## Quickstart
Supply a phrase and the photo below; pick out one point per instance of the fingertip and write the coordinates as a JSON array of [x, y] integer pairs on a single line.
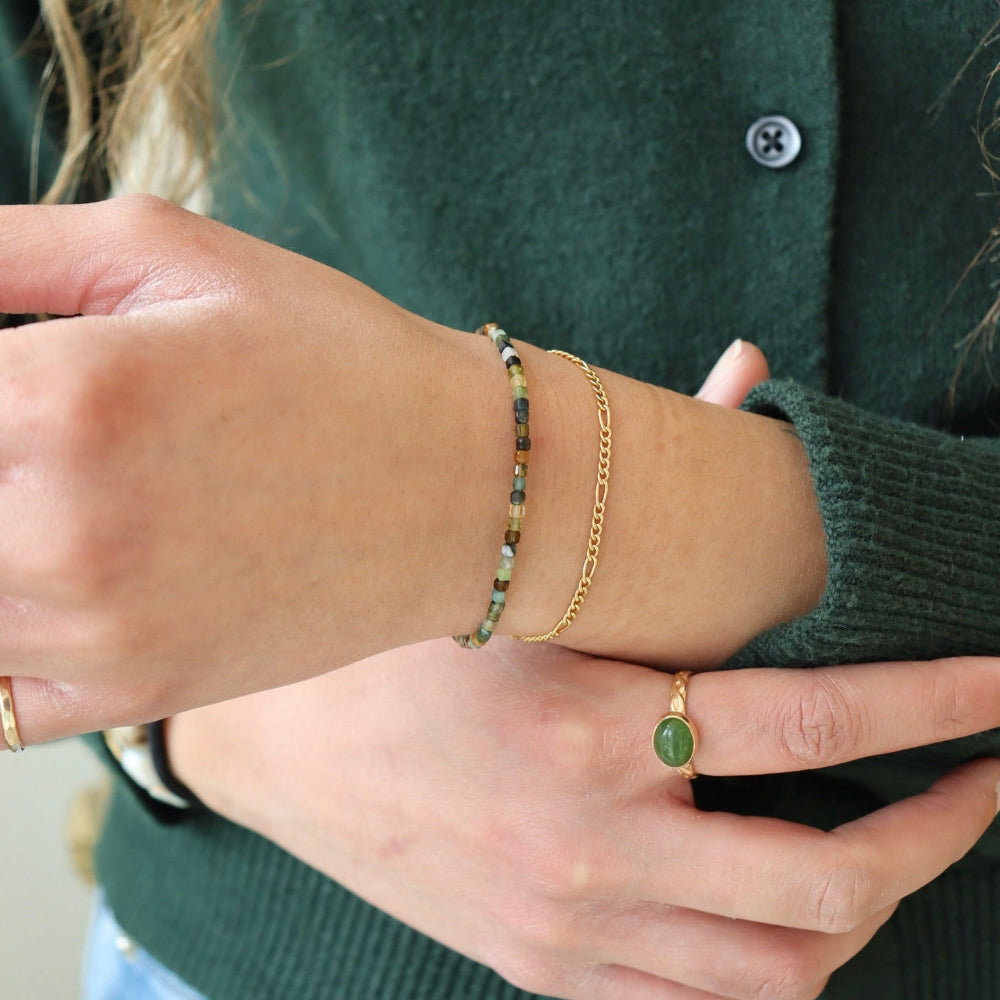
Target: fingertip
[[991, 766], [737, 371], [974, 780], [750, 367]]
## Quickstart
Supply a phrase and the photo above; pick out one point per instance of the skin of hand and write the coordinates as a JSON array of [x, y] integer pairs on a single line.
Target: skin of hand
[[510, 805], [231, 468]]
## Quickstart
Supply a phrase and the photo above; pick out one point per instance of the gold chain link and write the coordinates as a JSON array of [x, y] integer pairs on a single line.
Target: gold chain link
[[600, 500]]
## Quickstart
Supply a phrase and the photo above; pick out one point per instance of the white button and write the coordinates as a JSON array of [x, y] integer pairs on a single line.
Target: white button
[[773, 141], [125, 946]]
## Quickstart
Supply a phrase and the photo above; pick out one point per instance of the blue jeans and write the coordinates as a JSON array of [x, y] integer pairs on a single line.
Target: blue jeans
[[116, 968]]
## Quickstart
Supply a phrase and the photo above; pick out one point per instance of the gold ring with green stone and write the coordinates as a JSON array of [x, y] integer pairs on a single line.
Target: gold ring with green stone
[[675, 738]]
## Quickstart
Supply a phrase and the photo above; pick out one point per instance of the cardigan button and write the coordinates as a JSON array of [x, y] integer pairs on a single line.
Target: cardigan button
[[773, 141], [125, 946]]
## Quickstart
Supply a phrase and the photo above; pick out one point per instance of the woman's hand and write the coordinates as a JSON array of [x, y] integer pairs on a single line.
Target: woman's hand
[[186, 497], [233, 468], [510, 805]]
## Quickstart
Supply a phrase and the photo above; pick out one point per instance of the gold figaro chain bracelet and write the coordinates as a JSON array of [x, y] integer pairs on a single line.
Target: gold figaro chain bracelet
[[600, 499]]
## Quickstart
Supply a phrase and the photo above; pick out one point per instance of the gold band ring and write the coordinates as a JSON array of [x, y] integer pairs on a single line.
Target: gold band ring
[[7, 717], [675, 738]]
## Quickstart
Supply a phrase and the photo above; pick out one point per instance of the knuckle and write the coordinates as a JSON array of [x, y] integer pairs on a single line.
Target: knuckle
[[136, 214], [109, 637], [550, 931], [566, 738], [822, 722], [531, 846], [146, 224], [559, 867], [79, 563], [583, 744], [531, 972], [79, 433], [955, 700], [73, 405], [139, 223], [84, 563], [66, 560], [842, 898], [543, 905], [174, 253]]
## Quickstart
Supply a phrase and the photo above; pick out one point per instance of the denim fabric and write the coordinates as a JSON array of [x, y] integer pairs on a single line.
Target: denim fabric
[[116, 968]]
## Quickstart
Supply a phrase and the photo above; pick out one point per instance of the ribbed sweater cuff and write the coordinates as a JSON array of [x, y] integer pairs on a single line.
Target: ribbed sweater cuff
[[912, 520]]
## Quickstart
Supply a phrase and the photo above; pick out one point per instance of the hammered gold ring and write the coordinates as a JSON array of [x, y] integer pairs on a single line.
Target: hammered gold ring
[[675, 738], [7, 718]]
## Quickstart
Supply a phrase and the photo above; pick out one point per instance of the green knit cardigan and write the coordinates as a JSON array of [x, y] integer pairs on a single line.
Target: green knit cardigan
[[578, 170]]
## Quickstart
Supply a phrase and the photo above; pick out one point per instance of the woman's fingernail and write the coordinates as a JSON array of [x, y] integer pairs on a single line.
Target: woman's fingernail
[[733, 351], [720, 368]]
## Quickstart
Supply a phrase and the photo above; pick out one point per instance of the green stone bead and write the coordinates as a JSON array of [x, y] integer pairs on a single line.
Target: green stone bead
[[520, 391], [673, 741], [503, 574], [520, 482]]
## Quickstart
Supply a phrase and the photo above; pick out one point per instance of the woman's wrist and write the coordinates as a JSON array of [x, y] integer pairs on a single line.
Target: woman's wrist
[[338, 483], [712, 533]]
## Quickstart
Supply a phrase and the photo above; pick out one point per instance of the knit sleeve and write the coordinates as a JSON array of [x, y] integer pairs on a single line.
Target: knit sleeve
[[912, 521]]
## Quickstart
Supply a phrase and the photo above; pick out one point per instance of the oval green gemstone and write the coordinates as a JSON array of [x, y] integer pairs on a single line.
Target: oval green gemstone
[[673, 741]]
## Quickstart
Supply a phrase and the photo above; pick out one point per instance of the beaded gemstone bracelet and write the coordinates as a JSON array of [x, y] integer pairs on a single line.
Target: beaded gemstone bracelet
[[515, 514]]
